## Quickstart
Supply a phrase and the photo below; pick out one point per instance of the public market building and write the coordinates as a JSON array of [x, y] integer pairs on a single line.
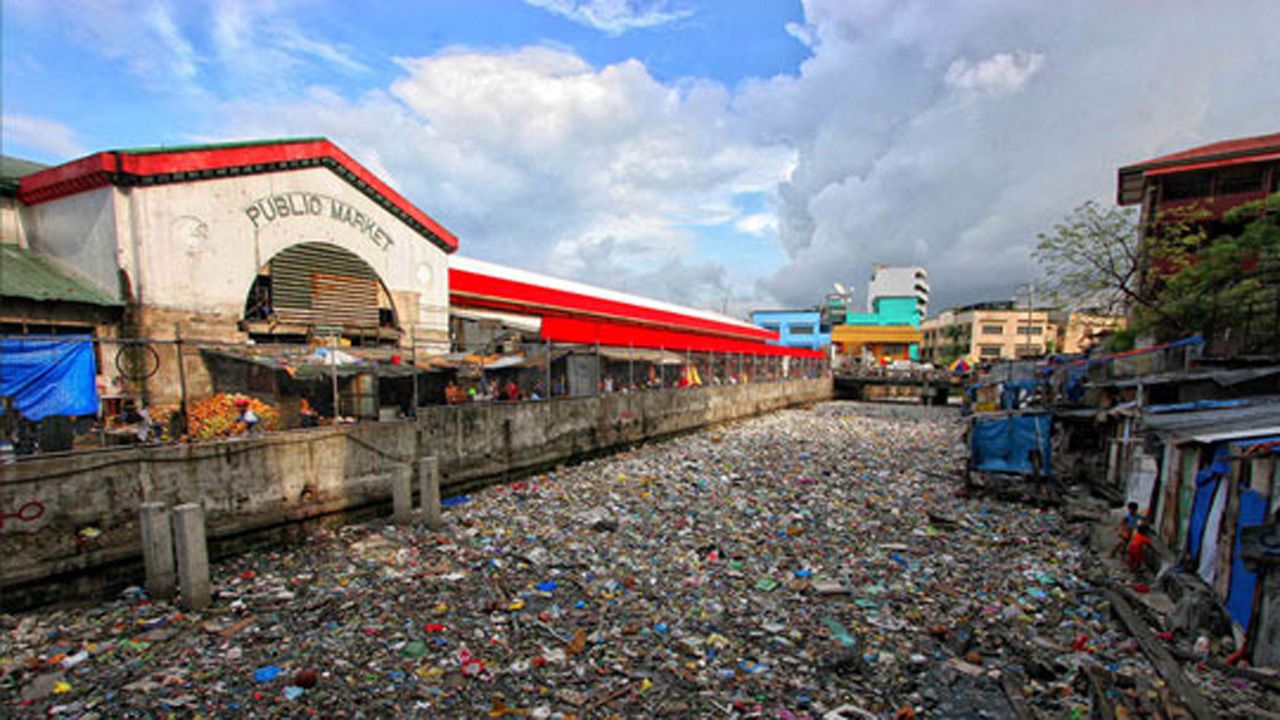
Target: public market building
[[274, 249]]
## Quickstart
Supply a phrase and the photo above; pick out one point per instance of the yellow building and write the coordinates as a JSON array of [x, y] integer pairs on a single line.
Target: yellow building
[[994, 331], [880, 341], [1079, 331]]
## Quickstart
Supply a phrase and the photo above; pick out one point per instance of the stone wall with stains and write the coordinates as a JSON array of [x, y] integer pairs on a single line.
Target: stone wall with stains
[[68, 524]]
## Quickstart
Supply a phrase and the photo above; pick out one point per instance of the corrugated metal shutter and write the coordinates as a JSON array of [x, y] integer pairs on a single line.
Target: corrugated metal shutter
[[318, 284]]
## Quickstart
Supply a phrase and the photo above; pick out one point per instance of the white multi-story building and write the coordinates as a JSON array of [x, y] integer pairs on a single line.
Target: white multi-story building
[[899, 281]]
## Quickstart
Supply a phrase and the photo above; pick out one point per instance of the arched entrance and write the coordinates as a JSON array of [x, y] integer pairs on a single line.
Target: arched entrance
[[315, 288]]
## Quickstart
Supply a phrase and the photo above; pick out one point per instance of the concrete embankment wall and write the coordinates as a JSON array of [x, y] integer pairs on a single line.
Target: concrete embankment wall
[[68, 524]]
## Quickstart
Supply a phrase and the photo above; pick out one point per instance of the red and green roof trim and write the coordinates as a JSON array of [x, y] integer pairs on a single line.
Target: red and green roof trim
[[1260, 148], [141, 167]]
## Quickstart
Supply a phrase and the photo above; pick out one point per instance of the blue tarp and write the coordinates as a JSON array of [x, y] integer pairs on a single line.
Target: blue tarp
[[1074, 386], [49, 377], [1198, 405], [1004, 444], [1016, 392], [1259, 445], [1253, 511], [1206, 488]]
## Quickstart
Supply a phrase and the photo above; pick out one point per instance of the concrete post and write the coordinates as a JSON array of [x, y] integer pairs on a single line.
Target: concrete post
[[401, 496], [429, 487], [193, 555], [157, 550]]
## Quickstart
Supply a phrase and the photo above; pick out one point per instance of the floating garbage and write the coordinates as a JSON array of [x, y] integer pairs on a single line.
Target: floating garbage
[[804, 564]]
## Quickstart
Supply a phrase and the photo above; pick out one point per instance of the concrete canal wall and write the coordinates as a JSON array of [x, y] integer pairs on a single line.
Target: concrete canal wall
[[69, 523]]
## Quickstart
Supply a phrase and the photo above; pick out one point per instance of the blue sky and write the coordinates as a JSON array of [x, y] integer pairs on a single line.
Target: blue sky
[[719, 153]]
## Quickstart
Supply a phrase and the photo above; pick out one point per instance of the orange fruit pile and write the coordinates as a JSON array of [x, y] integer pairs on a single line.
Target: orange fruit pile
[[216, 416]]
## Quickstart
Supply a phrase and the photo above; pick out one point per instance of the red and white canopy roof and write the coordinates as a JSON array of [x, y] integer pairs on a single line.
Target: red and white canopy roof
[[192, 163], [580, 313]]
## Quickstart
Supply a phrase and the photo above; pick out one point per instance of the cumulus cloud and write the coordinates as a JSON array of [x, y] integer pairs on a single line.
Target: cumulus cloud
[[1001, 74], [50, 136], [916, 132], [535, 157], [948, 135], [613, 17]]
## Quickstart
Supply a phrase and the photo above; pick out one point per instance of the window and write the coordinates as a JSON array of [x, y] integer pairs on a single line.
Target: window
[[769, 326], [989, 351], [1240, 179], [992, 329], [802, 330], [1033, 330], [1184, 186]]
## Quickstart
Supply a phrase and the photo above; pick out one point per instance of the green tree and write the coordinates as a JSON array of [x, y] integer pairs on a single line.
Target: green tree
[[1175, 281], [1094, 258], [1231, 284]]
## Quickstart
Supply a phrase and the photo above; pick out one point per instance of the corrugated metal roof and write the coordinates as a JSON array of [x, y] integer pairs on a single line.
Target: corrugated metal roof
[[12, 168], [1225, 148], [1260, 418], [1224, 378], [196, 147], [26, 274]]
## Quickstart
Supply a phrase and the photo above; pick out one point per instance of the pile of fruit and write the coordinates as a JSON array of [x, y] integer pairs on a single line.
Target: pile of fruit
[[217, 416]]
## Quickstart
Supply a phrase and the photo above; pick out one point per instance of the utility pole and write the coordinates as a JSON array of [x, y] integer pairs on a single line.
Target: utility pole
[[1031, 307]]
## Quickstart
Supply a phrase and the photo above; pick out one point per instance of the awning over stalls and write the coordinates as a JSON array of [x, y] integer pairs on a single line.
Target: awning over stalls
[[317, 364], [656, 357], [458, 361], [523, 323]]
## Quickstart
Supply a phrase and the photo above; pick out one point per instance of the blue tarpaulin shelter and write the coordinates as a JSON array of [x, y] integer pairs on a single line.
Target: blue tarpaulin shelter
[[1004, 443], [1206, 488], [1253, 511], [49, 376]]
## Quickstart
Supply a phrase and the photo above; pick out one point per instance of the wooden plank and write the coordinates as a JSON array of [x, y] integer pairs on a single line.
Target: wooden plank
[[1098, 694], [1013, 691], [1227, 534], [1164, 663], [1262, 678]]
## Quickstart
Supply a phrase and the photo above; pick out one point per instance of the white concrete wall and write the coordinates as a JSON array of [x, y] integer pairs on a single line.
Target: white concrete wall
[[896, 281], [78, 233], [200, 249]]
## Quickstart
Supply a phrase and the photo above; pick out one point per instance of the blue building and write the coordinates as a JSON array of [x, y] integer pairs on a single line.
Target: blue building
[[795, 328]]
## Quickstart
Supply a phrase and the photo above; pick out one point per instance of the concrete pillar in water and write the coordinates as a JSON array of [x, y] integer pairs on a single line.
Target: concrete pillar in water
[[193, 555], [157, 549], [429, 487], [401, 496]]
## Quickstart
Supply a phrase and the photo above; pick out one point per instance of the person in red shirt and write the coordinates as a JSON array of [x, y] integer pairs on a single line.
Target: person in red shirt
[[1131, 520], [1142, 551]]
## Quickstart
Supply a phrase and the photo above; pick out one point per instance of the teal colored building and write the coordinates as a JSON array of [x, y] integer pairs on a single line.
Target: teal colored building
[[891, 311], [888, 311]]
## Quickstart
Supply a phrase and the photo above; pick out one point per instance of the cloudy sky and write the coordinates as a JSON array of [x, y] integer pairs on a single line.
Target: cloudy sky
[[722, 153]]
